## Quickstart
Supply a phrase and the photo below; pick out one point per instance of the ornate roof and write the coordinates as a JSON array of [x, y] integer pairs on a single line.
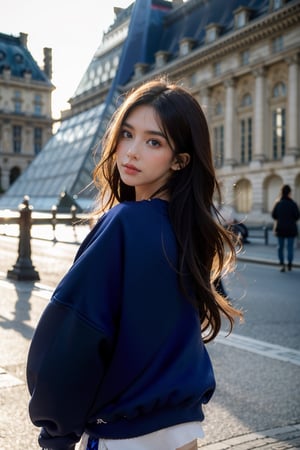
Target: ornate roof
[[14, 56]]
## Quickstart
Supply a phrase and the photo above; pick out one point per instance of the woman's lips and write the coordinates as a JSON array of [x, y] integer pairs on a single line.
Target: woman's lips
[[130, 169]]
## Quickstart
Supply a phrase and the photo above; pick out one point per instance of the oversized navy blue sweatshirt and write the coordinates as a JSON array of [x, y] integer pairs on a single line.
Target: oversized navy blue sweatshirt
[[118, 351]]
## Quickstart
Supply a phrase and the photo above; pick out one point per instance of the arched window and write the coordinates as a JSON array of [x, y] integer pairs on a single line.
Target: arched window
[[271, 186], [279, 90], [243, 196], [18, 58], [14, 174]]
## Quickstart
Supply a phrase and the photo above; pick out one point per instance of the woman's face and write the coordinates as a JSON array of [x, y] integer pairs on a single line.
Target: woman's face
[[145, 159]]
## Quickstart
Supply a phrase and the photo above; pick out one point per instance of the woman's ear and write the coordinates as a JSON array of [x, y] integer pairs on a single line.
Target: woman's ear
[[181, 161]]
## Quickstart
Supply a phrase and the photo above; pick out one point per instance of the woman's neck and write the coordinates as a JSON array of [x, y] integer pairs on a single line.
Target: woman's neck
[[161, 193]]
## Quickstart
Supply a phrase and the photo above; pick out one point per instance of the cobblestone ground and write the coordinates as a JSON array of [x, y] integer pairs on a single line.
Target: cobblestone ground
[[275, 439], [20, 307], [16, 430]]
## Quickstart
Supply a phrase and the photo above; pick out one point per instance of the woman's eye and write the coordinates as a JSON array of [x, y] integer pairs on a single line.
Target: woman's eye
[[125, 134], [154, 143]]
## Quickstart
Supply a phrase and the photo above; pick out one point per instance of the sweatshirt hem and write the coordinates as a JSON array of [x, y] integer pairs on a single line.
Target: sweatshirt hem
[[126, 428]]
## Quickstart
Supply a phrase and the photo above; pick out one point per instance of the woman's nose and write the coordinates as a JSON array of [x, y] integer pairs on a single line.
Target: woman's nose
[[132, 151]]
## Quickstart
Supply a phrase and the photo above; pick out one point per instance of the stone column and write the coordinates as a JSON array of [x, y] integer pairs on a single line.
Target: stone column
[[7, 138], [229, 131], [205, 102], [293, 144], [259, 115], [228, 194], [257, 196]]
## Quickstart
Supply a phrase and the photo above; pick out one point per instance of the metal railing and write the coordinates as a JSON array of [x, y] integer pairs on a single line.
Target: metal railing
[[260, 232], [53, 219], [25, 218]]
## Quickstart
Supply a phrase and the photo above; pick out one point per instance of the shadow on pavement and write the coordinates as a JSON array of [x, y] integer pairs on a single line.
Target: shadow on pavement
[[21, 313]]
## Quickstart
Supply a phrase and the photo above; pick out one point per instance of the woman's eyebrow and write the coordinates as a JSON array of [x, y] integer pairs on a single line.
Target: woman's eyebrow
[[155, 132]]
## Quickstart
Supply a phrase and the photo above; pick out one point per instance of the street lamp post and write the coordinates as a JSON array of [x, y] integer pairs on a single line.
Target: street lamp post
[[54, 211], [23, 270], [73, 220]]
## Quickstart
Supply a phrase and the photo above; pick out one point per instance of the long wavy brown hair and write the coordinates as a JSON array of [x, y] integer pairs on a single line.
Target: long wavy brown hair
[[206, 249]]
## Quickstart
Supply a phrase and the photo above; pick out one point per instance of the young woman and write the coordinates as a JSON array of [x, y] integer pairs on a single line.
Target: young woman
[[118, 357]]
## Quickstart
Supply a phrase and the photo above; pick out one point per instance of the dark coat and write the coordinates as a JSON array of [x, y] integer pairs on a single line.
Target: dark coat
[[286, 214]]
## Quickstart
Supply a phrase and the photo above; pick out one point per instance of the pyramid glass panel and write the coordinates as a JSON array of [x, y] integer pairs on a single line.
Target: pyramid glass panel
[[56, 168]]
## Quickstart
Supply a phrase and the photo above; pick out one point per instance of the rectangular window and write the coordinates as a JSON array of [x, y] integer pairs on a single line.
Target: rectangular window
[[278, 133], [37, 140], [218, 133], [37, 110], [211, 35], [277, 44], [245, 56], [249, 139], [246, 140], [274, 138], [18, 102], [17, 138], [240, 19], [217, 69], [184, 48], [277, 4], [243, 147], [37, 105], [283, 132]]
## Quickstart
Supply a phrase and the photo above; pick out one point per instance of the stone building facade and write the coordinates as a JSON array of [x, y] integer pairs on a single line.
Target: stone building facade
[[248, 83], [25, 107], [239, 58]]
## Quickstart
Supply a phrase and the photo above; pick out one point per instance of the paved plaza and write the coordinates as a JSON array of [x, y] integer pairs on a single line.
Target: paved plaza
[[21, 304]]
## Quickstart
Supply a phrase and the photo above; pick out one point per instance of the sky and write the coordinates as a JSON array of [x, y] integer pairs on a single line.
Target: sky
[[73, 29]]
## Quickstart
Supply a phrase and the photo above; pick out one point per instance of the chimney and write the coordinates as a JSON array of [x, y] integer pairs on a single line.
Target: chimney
[[23, 39], [48, 62]]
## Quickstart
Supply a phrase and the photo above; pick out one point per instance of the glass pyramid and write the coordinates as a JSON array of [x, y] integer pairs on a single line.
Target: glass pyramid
[[66, 163]]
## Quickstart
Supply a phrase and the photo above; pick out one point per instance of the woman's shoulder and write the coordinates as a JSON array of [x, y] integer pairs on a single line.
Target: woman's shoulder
[[126, 219], [136, 209]]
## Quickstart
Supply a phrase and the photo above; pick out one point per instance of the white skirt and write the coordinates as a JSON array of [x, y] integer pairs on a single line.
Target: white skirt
[[170, 438]]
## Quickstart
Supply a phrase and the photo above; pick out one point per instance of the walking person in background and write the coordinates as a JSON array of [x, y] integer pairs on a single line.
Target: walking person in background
[[285, 213], [118, 359]]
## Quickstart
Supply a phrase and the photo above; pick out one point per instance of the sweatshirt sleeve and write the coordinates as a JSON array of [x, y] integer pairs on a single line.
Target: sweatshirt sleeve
[[74, 339]]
